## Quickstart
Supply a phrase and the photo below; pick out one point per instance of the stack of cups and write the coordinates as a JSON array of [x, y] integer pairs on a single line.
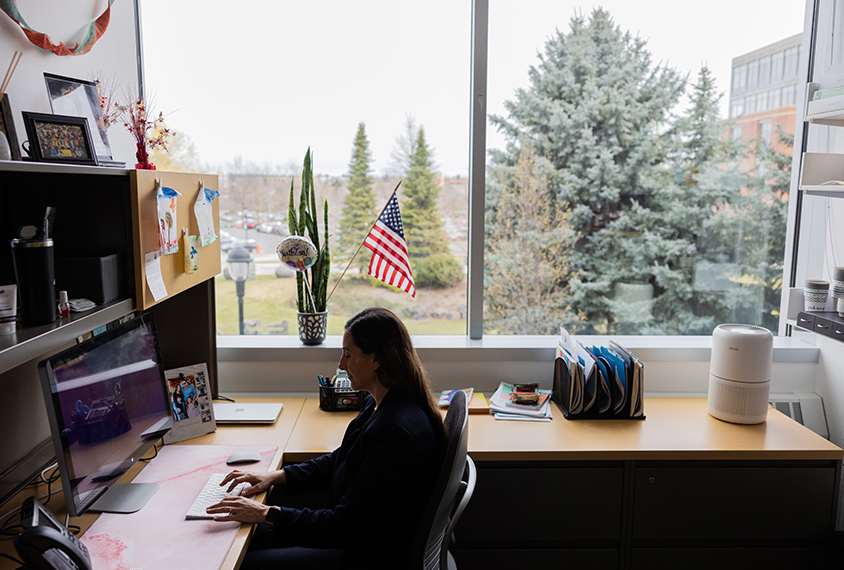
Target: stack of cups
[[838, 288], [815, 294]]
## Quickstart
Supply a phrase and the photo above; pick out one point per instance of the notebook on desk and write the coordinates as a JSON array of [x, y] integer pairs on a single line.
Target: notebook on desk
[[251, 413]]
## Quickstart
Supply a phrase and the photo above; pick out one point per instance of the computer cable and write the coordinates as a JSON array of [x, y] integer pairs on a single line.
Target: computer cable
[[155, 447], [12, 558]]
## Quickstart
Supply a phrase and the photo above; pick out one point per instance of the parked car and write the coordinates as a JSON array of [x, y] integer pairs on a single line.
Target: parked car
[[249, 244], [275, 227]]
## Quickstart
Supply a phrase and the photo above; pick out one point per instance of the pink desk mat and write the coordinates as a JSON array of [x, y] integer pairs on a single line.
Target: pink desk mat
[[158, 536]]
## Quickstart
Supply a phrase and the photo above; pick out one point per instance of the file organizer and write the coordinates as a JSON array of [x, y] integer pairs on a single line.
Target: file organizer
[[610, 386]]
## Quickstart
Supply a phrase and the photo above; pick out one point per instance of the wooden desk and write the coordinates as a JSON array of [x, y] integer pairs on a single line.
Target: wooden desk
[[317, 432], [679, 489], [675, 429]]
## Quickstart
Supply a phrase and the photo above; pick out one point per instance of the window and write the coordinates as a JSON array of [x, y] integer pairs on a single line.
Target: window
[[551, 224], [790, 63], [739, 79], [594, 263], [787, 96], [765, 131], [326, 75], [764, 70], [761, 101], [752, 75], [773, 98], [750, 104], [776, 67]]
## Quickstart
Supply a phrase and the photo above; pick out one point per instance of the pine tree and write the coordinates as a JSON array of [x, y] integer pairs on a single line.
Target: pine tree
[[526, 270], [427, 243], [599, 111], [689, 262], [359, 204], [423, 229]]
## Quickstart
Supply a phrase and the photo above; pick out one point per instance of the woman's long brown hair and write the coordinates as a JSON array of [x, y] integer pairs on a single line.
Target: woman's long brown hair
[[379, 331]]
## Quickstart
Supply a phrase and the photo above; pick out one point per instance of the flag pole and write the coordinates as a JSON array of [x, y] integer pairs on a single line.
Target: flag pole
[[378, 217]]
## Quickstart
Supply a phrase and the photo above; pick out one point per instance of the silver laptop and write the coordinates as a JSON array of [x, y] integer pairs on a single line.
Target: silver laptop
[[251, 413]]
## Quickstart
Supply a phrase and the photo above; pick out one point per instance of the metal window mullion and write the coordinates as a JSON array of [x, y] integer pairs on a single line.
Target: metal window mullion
[[477, 167]]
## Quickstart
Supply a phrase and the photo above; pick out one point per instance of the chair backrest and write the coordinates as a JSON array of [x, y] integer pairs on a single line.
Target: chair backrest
[[427, 548]]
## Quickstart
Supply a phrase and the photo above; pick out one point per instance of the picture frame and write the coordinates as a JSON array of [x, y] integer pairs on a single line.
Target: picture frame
[[7, 125], [189, 391], [80, 98], [59, 138]]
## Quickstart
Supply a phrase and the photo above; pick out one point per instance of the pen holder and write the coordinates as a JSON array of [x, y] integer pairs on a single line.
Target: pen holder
[[333, 399]]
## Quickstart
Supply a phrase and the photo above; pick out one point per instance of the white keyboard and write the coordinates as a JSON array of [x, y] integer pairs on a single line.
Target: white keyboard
[[211, 494]]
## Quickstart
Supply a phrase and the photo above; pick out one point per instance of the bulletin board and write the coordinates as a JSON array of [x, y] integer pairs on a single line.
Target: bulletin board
[[146, 232]]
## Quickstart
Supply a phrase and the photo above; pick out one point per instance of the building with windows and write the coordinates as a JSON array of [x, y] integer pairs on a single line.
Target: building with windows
[[763, 93]]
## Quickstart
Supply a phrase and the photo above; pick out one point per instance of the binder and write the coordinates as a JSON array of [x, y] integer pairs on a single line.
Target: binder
[[598, 382]]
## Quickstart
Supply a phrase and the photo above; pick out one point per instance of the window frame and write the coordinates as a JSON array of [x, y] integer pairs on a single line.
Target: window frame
[[477, 187]]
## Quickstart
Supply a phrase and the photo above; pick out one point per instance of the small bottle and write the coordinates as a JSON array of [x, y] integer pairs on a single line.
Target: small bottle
[[64, 306]]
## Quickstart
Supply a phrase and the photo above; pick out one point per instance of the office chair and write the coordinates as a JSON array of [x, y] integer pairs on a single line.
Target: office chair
[[452, 492]]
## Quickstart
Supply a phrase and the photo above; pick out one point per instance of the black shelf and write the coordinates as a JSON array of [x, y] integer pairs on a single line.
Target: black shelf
[[31, 342], [826, 323]]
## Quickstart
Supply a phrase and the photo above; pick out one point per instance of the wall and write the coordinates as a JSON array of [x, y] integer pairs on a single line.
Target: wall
[[678, 365], [828, 383], [113, 58]]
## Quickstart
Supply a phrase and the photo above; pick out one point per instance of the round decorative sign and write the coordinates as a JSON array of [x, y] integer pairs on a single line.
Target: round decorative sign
[[297, 252]]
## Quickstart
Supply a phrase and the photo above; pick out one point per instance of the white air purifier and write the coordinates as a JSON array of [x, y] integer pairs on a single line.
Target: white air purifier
[[740, 373]]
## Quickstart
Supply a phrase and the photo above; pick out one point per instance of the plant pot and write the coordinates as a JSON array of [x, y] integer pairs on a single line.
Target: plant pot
[[312, 327]]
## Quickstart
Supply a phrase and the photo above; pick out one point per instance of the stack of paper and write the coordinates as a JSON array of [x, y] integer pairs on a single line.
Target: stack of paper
[[597, 381], [503, 409]]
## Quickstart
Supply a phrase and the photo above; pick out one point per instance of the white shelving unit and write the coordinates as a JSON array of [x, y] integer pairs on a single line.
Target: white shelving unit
[[819, 168]]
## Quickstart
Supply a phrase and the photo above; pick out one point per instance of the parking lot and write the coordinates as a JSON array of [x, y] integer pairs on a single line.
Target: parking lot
[[261, 245]]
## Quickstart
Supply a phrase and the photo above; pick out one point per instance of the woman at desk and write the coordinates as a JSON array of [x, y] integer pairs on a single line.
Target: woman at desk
[[380, 478]]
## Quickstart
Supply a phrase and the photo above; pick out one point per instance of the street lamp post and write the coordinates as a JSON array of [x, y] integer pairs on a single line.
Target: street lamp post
[[240, 262]]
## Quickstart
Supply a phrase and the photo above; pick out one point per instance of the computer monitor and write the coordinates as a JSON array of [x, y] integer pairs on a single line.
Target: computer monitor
[[107, 404]]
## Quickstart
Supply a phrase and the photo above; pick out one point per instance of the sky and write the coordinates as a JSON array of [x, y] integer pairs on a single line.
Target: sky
[[268, 80]]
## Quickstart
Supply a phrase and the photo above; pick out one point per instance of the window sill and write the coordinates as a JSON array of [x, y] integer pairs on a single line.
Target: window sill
[[443, 348]]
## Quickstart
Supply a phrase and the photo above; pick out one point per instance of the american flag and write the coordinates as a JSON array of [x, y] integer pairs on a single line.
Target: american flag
[[389, 250]]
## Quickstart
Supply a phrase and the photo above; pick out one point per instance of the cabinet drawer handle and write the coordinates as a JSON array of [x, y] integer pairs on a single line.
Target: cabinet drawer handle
[[838, 331], [804, 320], [822, 326]]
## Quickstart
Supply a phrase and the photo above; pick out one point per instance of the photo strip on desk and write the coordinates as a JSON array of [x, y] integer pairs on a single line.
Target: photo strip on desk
[[597, 382]]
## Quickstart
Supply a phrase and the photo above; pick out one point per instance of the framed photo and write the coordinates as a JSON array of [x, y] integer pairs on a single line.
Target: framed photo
[[80, 98], [190, 398], [7, 125], [58, 138]]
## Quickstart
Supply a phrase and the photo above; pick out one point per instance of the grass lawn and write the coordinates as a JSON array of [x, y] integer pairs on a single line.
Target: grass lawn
[[269, 301]]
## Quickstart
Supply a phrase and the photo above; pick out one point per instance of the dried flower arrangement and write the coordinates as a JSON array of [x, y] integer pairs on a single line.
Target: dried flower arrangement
[[148, 134]]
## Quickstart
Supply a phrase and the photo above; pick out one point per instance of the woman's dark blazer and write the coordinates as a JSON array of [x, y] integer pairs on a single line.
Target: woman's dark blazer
[[381, 479]]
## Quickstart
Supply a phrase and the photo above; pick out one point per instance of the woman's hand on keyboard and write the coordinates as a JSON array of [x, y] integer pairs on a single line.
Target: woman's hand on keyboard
[[239, 509], [259, 482]]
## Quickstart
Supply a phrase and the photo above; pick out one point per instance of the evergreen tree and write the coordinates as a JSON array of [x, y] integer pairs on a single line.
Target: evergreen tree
[[423, 229], [599, 111], [358, 205], [526, 268], [427, 242], [689, 262], [758, 230]]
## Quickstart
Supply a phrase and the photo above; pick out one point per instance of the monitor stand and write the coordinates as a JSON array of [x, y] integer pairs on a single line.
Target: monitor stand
[[125, 498]]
